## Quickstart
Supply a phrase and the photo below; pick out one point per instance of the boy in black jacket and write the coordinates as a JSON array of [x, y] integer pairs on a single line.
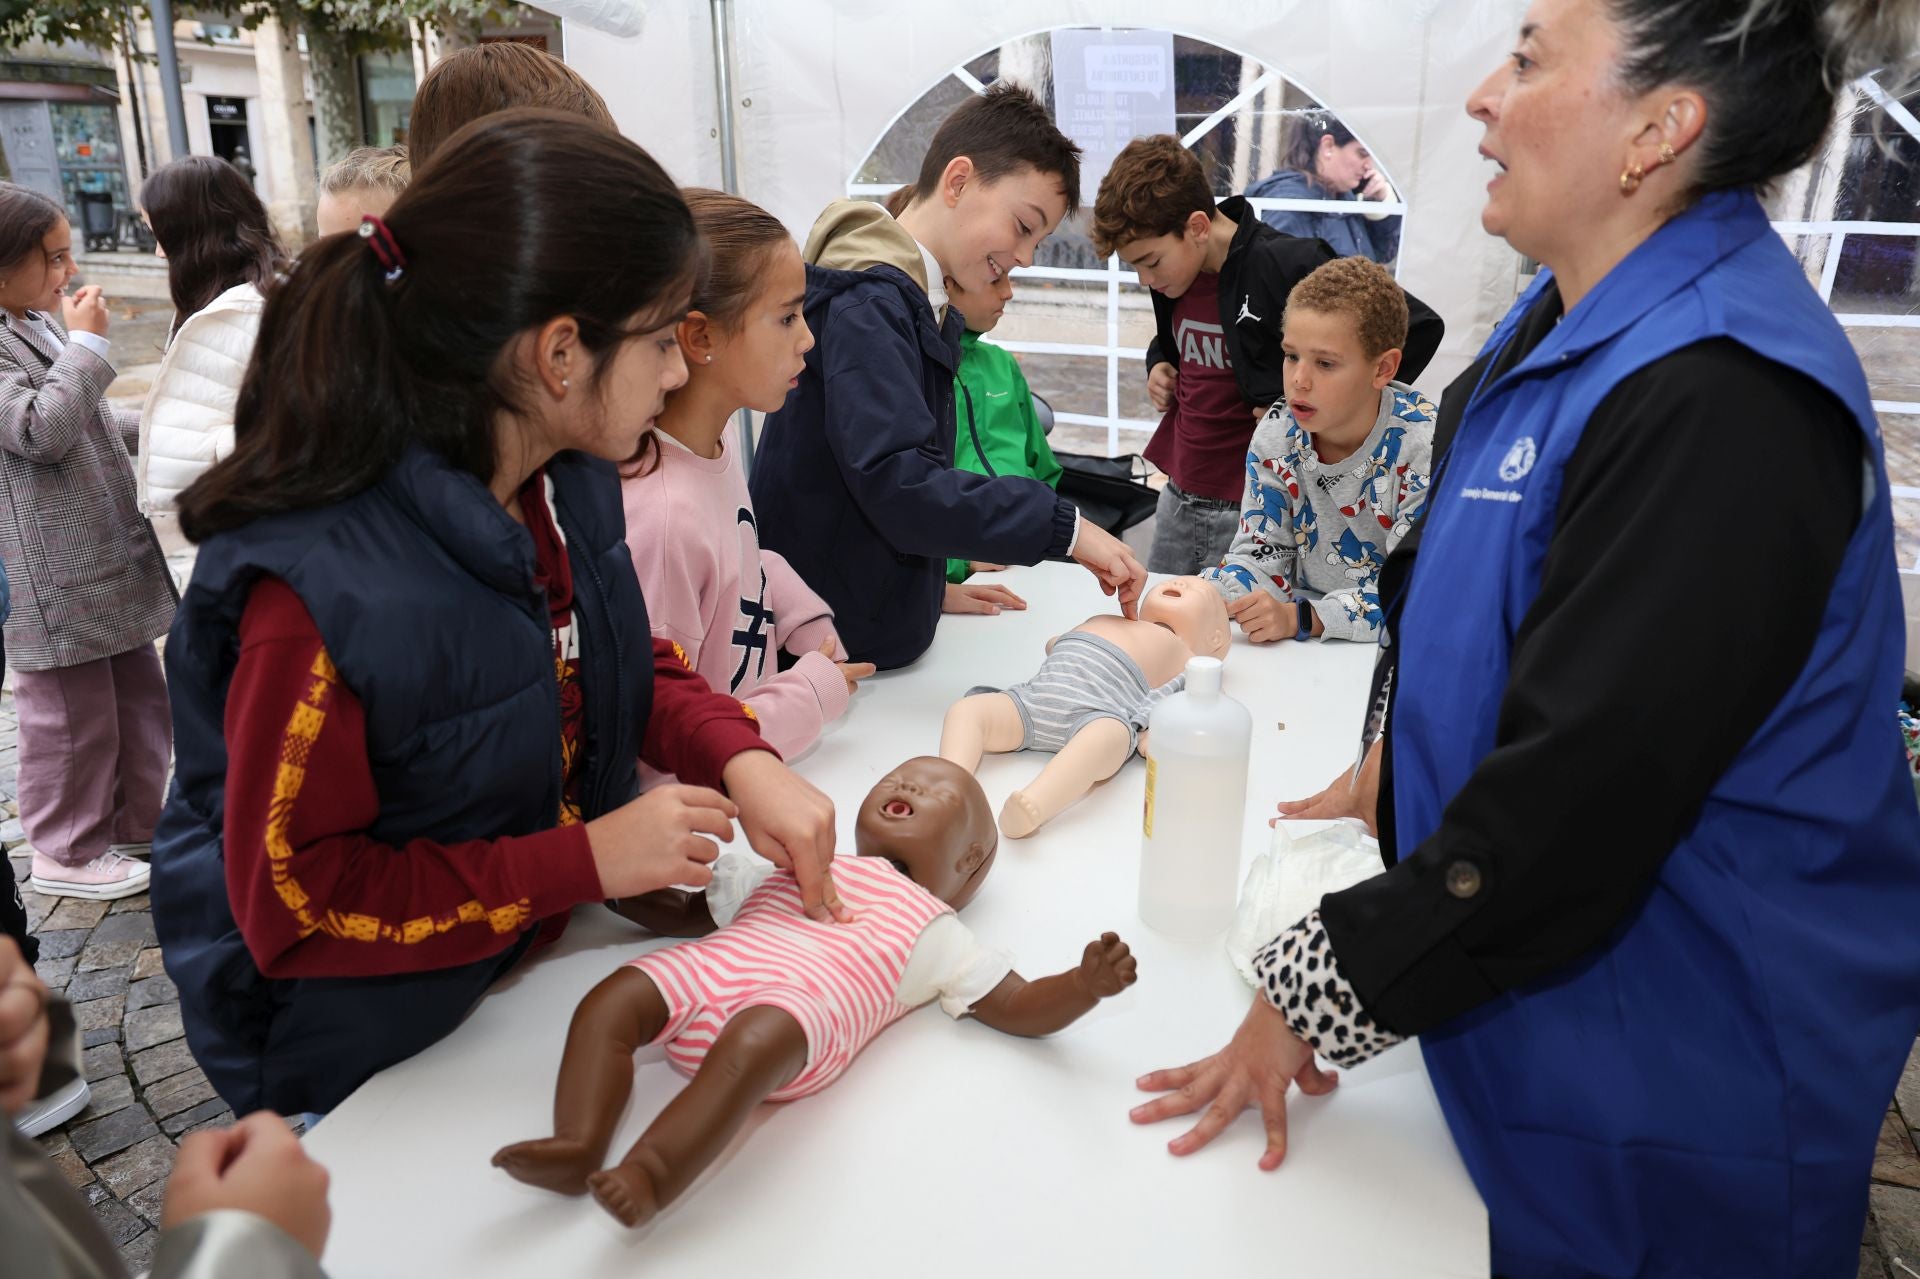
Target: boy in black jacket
[[854, 482], [1220, 279]]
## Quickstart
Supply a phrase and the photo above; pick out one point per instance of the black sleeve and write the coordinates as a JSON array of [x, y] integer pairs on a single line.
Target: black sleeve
[[1425, 328], [1702, 523]]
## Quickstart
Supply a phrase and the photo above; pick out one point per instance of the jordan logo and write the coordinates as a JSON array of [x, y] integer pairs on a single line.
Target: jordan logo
[[1246, 312]]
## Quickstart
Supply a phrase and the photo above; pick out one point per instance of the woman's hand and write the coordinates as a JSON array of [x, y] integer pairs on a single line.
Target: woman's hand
[[23, 1030], [790, 823], [256, 1166], [1253, 1070], [651, 842], [1111, 560], [969, 597], [1374, 187], [1345, 796], [85, 311], [852, 672]]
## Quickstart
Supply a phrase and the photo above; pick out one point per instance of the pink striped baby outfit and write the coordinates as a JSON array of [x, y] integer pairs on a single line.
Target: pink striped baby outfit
[[839, 981]]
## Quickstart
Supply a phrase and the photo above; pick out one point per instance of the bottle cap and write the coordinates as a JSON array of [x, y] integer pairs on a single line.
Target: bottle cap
[[1203, 677]]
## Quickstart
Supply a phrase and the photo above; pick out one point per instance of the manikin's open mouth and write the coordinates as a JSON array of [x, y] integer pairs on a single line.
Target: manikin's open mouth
[[897, 808]]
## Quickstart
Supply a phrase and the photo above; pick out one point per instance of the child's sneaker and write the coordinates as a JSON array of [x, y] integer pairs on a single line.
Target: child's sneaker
[[106, 878], [54, 1109], [141, 850]]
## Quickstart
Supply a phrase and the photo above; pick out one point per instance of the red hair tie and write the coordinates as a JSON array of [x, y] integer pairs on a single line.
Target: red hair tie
[[379, 237]]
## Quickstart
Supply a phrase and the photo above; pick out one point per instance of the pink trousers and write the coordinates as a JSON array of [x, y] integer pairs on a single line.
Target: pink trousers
[[94, 744]]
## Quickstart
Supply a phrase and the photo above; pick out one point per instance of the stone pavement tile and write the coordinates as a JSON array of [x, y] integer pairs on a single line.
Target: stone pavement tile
[[1894, 1161], [155, 1064], [74, 912], [150, 1201], [120, 1222], [148, 965], [38, 907], [97, 985], [138, 1168], [104, 1035], [147, 1027], [62, 944], [102, 1062], [95, 1014], [130, 905], [138, 1252], [55, 972], [105, 1096], [73, 1167], [1871, 1267], [218, 1121], [1906, 1093], [183, 1091], [152, 991], [191, 1120], [109, 1136], [1896, 1213], [10, 832], [117, 942]]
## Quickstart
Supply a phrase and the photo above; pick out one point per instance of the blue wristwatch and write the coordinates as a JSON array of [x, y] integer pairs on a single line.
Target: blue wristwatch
[[1306, 619]]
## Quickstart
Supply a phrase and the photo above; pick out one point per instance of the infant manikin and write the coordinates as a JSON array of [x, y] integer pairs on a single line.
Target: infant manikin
[[1089, 702], [774, 1005]]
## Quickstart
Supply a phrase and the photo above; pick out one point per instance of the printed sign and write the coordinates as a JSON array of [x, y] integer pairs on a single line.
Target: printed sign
[[1110, 87]]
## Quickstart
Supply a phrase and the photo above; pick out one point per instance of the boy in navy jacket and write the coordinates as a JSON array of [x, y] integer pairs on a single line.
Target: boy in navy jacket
[[854, 482]]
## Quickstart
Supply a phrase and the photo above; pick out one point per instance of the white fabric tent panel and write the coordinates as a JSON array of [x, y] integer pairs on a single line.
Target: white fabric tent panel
[[817, 84]]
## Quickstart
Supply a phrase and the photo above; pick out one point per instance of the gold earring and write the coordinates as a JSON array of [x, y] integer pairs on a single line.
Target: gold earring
[[1630, 178]]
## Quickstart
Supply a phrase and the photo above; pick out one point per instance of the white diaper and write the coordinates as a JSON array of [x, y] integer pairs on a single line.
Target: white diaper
[[1291, 877]]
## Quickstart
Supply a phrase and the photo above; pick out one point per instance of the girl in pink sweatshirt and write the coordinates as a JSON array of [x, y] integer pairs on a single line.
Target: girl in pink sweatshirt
[[710, 588]]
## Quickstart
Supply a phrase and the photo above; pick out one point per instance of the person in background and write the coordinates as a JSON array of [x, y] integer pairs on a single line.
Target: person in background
[[711, 590], [90, 590], [484, 78], [241, 1200], [364, 183], [1220, 280], [1324, 161], [1651, 889], [413, 673], [222, 258], [854, 481]]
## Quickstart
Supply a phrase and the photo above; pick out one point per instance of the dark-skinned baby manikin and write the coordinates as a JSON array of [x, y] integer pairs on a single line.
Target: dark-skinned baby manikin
[[768, 1007]]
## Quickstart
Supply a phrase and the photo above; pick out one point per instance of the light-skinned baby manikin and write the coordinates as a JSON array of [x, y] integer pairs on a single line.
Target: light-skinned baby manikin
[[1090, 699]]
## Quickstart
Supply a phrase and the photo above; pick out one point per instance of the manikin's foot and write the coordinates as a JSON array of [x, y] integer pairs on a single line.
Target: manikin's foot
[[1019, 816], [551, 1163], [631, 1189]]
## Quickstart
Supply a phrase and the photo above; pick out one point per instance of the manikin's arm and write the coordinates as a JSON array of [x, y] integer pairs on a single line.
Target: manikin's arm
[[1034, 1008], [670, 912]]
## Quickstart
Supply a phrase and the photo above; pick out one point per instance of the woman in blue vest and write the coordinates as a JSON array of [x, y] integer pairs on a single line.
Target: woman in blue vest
[[1653, 897], [413, 671]]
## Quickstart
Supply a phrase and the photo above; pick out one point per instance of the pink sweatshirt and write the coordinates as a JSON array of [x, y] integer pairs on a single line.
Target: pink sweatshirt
[[712, 590]]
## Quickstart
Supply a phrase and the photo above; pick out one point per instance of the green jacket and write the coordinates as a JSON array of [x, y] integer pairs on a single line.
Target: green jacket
[[994, 406]]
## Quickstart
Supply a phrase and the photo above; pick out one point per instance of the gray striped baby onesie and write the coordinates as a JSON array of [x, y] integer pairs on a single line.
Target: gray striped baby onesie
[[1085, 678]]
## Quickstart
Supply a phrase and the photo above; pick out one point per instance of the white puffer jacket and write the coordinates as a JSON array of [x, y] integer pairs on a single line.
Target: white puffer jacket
[[187, 424]]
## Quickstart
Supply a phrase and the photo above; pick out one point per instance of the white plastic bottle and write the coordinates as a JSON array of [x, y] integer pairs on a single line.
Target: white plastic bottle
[[1196, 802]]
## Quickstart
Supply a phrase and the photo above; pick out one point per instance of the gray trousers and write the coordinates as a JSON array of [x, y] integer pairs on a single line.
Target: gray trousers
[[1190, 533]]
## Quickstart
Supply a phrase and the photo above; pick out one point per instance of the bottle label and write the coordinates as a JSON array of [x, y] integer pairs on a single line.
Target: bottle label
[[1147, 825]]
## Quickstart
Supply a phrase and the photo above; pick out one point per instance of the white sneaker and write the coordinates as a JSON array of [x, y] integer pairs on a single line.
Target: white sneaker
[[106, 878], [51, 1111], [142, 851]]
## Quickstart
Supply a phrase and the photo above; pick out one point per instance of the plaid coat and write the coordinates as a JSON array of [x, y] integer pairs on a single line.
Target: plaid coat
[[86, 574]]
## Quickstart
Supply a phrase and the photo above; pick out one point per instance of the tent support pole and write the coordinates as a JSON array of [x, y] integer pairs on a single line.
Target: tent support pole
[[722, 16]]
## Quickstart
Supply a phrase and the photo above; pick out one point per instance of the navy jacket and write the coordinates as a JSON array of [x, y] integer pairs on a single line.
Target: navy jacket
[[422, 589], [854, 480], [1350, 235], [1261, 269]]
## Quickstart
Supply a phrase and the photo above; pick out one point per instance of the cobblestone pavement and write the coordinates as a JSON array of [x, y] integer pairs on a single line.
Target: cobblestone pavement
[[148, 1094]]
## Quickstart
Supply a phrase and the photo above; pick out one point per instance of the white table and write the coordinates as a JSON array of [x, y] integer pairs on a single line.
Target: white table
[[947, 1149]]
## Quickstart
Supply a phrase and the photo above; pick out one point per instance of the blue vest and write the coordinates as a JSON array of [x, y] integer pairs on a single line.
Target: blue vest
[[422, 589], [1701, 1095]]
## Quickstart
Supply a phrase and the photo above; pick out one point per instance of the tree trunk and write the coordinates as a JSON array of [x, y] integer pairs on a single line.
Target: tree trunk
[[337, 121]]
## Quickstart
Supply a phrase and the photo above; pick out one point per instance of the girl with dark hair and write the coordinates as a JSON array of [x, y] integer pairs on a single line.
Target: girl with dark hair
[[1324, 161], [222, 257], [90, 592], [413, 670], [1653, 857], [731, 606]]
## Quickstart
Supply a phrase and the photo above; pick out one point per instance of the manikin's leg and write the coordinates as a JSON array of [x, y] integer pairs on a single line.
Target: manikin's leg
[[760, 1051], [1090, 756], [985, 722], [618, 1017]]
